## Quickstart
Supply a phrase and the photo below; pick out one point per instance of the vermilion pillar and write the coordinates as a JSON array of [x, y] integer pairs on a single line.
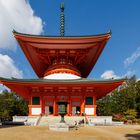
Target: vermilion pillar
[[70, 106], [42, 104], [29, 106], [83, 105], [54, 107], [94, 105]]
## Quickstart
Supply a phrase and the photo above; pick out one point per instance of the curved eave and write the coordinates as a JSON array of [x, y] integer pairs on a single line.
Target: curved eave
[[46, 82], [36, 38], [102, 87], [53, 81]]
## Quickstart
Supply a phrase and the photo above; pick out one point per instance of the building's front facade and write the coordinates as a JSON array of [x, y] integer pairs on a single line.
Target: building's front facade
[[62, 65]]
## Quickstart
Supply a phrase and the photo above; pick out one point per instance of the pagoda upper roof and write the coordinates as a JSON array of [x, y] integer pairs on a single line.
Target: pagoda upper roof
[[40, 50], [58, 37], [99, 87]]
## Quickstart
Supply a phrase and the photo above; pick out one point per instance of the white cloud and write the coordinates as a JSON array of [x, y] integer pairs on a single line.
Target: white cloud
[[18, 15], [129, 73], [3, 88], [109, 74], [8, 68], [132, 58]]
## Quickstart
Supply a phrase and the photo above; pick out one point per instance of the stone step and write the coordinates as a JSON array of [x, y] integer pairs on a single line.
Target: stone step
[[47, 120]]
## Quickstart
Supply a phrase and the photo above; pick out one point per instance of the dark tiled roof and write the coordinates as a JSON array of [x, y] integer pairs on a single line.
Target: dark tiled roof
[[81, 80], [44, 36]]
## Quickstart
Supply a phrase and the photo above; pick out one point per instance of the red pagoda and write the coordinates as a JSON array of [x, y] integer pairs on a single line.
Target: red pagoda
[[62, 64]]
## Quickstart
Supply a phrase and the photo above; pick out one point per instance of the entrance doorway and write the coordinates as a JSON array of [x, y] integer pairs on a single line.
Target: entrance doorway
[[76, 110], [49, 110]]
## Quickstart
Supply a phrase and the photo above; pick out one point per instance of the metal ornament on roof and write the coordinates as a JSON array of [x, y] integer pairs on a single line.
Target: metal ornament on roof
[[62, 20]]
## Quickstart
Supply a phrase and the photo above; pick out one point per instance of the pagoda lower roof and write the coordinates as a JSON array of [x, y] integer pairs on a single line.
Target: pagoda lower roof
[[99, 88], [41, 50]]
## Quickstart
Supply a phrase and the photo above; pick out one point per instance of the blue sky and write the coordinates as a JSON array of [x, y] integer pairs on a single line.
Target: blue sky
[[121, 56]]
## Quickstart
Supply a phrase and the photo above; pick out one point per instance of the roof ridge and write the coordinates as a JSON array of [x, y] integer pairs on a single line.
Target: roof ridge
[[32, 35]]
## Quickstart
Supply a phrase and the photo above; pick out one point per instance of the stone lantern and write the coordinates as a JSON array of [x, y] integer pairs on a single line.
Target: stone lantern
[[62, 109]]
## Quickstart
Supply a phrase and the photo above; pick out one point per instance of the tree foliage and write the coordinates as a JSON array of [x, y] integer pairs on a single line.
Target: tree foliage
[[121, 101], [130, 114], [11, 104]]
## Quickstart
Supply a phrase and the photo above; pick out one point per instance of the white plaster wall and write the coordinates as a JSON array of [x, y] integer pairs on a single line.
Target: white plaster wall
[[62, 76], [20, 118], [100, 119], [89, 111], [36, 111]]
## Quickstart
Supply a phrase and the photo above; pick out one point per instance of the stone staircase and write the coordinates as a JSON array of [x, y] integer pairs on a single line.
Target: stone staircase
[[70, 120], [47, 120], [32, 120]]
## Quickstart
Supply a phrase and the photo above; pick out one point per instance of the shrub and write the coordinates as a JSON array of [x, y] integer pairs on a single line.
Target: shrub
[[130, 114]]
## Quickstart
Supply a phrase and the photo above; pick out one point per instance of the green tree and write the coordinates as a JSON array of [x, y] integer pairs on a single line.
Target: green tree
[[138, 97], [11, 104], [122, 99]]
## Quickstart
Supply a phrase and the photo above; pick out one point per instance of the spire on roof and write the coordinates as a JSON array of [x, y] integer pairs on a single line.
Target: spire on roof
[[62, 20]]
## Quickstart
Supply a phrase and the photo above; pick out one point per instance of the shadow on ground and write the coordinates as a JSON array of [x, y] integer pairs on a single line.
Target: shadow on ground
[[133, 136], [11, 124], [7, 126]]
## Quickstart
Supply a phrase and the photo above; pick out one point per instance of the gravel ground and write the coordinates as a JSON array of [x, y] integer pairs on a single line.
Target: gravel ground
[[126, 132]]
